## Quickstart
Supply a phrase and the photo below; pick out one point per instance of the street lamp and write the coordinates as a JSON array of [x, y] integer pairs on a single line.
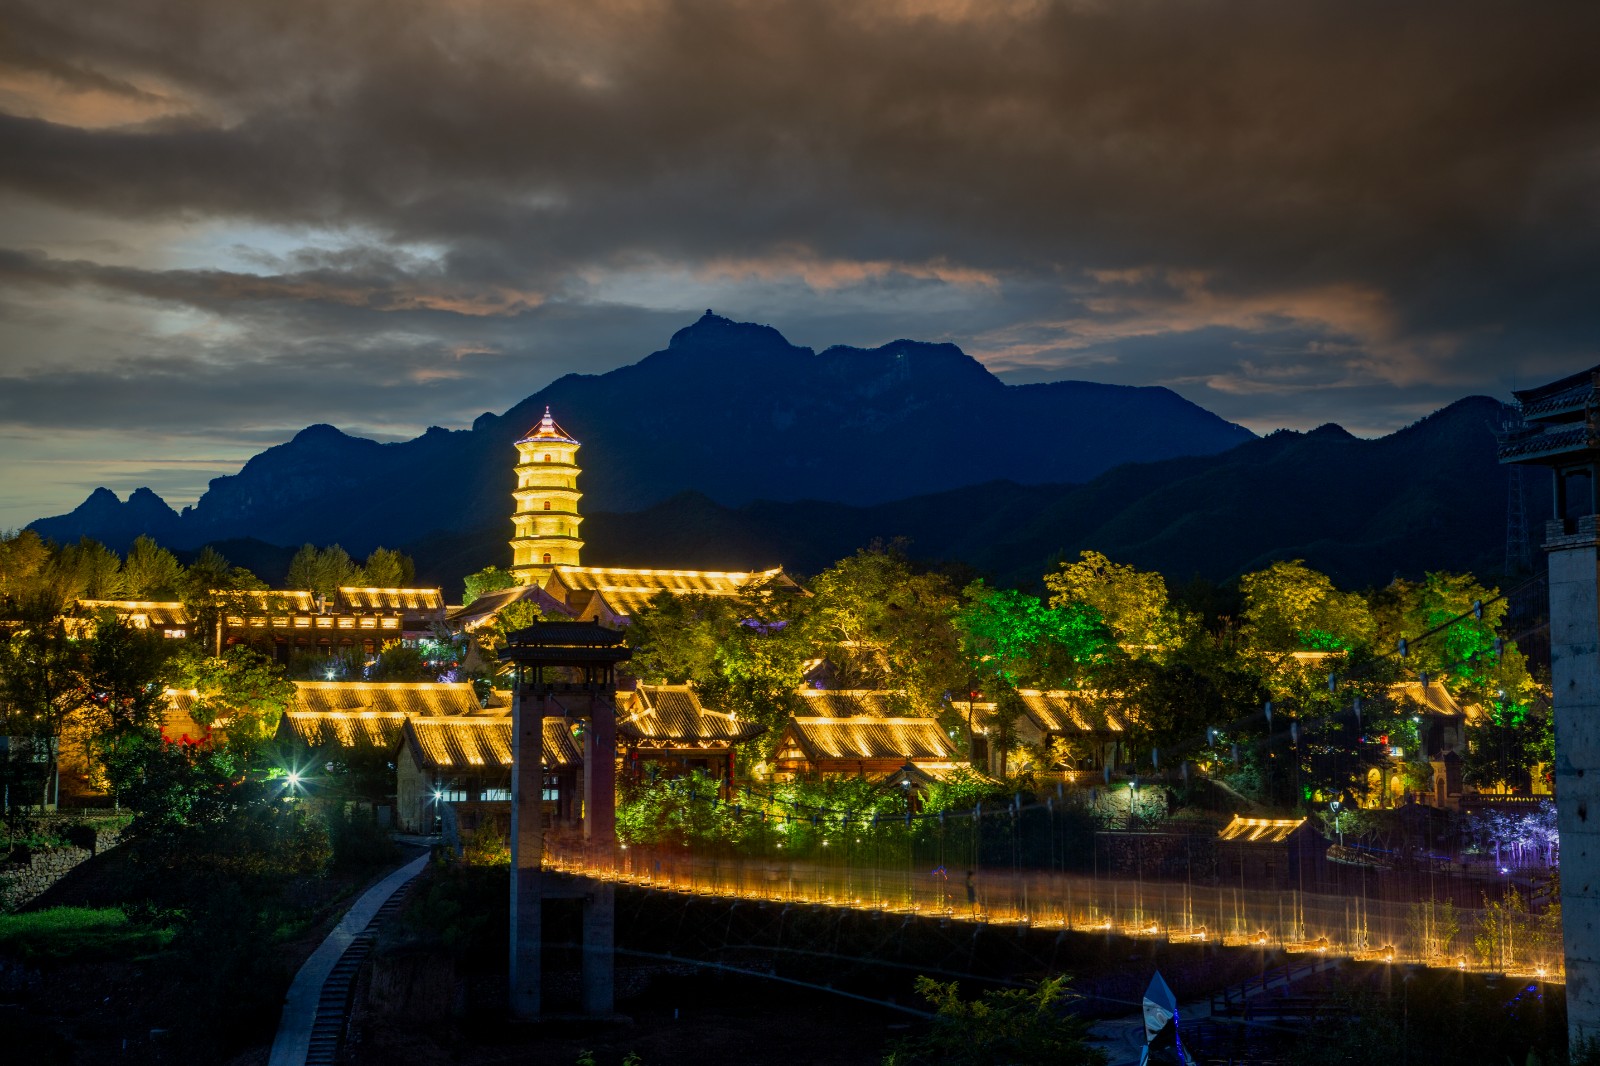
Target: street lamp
[[1338, 827]]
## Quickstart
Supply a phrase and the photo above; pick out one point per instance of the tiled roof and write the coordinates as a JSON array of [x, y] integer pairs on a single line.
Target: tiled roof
[[705, 582], [564, 634], [298, 601], [485, 607], [1436, 698], [674, 712], [467, 743], [145, 612], [1259, 830], [917, 739], [392, 599], [347, 729], [427, 699], [853, 702], [177, 719], [1064, 712]]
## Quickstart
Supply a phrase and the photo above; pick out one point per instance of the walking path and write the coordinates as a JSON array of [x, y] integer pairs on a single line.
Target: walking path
[[293, 1042]]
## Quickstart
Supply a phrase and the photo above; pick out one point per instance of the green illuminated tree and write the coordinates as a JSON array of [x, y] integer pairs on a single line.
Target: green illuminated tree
[[399, 661], [676, 638], [1014, 637], [41, 688], [1132, 602]]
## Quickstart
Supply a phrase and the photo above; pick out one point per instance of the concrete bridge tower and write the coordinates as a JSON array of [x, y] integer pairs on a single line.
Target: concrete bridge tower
[[563, 670], [545, 520], [1562, 431]]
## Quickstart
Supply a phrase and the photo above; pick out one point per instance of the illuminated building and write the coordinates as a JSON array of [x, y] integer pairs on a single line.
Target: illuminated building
[[545, 548], [546, 517], [861, 746], [280, 622]]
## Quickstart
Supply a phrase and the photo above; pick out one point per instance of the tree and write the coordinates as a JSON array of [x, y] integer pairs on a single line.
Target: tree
[[1200, 680], [882, 623], [743, 654], [87, 570], [242, 692], [1015, 1026], [386, 568], [212, 588], [1013, 636], [151, 572], [41, 687], [322, 571], [398, 661], [489, 579], [676, 638], [1132, 603], [24, 561], [1289, 607]]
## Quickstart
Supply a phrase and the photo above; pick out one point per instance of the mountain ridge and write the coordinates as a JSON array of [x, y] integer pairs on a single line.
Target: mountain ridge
[[730, 409]]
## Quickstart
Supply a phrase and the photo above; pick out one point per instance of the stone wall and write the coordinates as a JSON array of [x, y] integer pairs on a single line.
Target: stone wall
[[26, 873]]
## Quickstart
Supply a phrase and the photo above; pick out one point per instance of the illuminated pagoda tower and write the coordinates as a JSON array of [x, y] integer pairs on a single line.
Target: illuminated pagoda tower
[[546, 518]]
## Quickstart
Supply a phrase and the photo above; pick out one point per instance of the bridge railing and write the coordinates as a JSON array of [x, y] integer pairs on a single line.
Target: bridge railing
[[1491, 939]]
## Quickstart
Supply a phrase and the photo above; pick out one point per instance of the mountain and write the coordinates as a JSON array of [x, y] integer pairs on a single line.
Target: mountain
[[1429, 497], [728, 409]]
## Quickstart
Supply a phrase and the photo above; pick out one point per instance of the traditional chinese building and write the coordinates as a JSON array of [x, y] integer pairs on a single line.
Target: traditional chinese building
[[546, 549], [862, 746], [1090, 730], [466, 762], [281, 622], [669, 726]]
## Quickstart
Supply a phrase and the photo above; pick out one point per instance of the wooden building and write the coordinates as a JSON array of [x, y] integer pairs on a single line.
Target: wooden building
[[668, 725], [1090, 732], [280, 622], [862, 746], [467, 760], [1268, 852]]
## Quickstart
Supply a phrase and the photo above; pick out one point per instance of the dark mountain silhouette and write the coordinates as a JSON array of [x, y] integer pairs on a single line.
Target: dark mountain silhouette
[[731, 410], [1429, 497]]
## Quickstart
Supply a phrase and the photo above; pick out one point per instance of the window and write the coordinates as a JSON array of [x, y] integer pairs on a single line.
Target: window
[[547, 458], [492, 795], [552, 788], [547, 505], [547, 557]]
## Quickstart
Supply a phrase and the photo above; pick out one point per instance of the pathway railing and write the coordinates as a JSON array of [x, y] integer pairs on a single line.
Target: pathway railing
[[1482, 939]]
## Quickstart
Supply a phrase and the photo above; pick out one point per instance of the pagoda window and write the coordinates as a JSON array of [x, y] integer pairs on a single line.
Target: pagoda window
[[547, 505], [547, 557], [547, 458]]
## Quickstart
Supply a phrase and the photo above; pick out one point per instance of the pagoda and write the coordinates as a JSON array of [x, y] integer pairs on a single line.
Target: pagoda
[[546, 518]]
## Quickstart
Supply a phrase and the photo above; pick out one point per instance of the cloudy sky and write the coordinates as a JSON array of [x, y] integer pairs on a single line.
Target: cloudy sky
[[223, 220]]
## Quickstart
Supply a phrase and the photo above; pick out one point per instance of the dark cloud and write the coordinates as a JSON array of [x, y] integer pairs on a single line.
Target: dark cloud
[[1292, 213]]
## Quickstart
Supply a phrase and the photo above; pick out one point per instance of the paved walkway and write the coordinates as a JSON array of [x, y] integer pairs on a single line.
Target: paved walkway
[[289, 1047]]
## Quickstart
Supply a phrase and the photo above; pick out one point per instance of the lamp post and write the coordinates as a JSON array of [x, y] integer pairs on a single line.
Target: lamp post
[[1338, 827]]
